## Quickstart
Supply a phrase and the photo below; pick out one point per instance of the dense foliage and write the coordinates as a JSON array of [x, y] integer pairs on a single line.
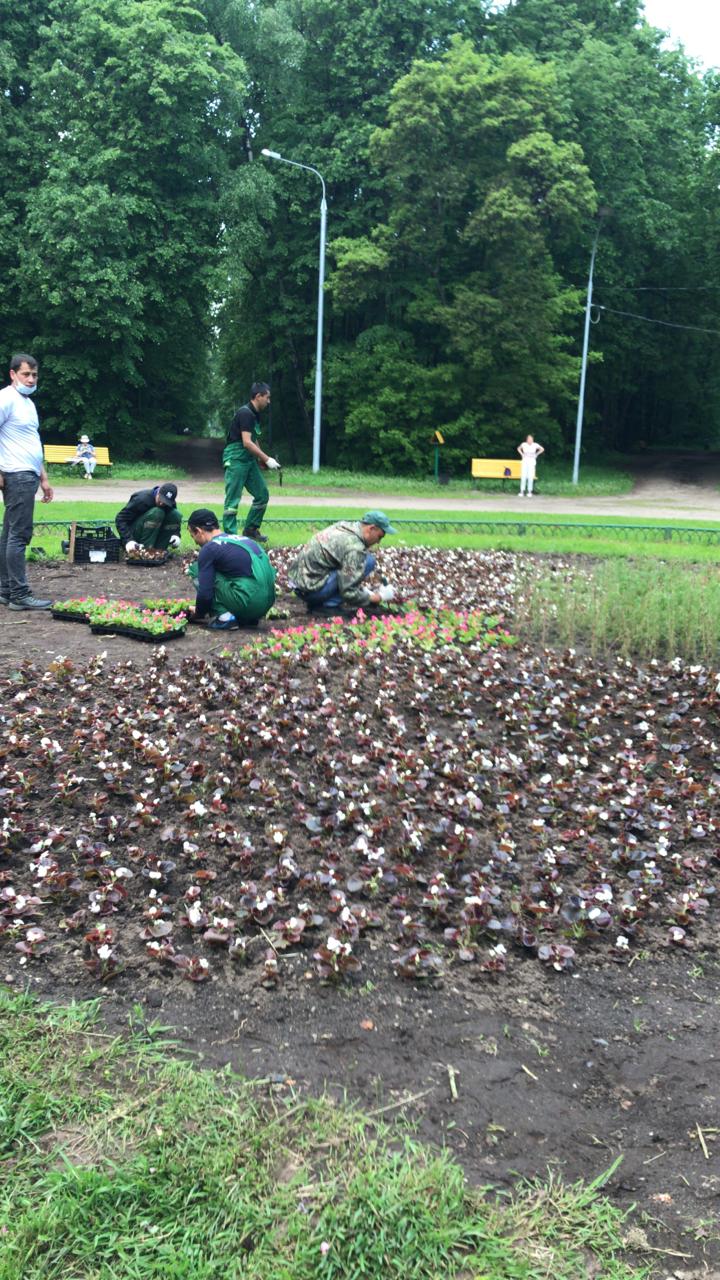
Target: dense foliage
[[157, 264]]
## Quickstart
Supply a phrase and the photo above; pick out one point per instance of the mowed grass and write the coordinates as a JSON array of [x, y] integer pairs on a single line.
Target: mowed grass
[[144, 472], [638, 610], [120, 1163], [598, 536], [554, 480]]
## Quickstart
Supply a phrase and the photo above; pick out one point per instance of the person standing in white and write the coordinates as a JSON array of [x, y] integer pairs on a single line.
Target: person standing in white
[[22, 470], [529, 453]]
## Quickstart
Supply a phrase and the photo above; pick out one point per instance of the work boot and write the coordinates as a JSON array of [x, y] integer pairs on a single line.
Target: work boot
[[30, 602], [255, 534]]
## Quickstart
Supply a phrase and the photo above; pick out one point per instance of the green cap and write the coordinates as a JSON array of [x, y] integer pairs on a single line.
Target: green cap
[[380, 519]]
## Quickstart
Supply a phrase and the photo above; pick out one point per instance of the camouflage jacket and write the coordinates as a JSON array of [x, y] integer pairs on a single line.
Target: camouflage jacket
[[339, 547]]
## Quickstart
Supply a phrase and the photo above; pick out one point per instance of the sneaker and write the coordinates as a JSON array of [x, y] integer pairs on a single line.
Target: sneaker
[[255, 534], [4, 599], [30, 602], [226, 622]]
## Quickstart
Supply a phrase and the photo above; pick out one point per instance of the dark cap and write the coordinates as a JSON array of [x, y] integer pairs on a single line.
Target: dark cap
[[380, 519], [167, 493], [203, 518]]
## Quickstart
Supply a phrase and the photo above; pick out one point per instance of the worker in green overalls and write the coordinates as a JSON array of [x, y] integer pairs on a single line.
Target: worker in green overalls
[[233, 577], [242, 459]]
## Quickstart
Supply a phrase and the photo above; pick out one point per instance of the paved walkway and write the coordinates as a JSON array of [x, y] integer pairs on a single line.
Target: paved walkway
[[658, 497]]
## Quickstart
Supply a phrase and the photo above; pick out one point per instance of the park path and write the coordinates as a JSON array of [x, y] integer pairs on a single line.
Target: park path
[[661, 498]]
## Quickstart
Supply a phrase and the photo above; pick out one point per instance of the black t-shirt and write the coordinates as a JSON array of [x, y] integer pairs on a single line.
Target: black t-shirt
[[246, 419]]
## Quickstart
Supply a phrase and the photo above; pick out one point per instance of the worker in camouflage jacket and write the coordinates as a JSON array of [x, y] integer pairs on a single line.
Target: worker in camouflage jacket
[[330, 571]]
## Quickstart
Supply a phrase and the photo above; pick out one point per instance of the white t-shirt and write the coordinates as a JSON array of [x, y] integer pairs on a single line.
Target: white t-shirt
[[20, 444], [530, 450]]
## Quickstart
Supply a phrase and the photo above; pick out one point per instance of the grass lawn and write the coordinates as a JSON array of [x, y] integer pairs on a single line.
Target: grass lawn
[[121, 1163], [554, 480], [590, 539], [61, 476]]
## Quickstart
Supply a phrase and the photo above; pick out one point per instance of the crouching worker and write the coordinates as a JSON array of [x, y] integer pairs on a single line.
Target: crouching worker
[[331, 569], [150, 519], [233, 577]]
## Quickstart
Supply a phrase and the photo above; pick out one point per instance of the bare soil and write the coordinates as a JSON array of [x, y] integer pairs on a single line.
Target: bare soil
[[515, 1069]]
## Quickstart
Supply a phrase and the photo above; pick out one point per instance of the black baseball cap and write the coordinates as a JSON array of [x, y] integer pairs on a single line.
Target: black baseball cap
[[203, 518], [167, 494]]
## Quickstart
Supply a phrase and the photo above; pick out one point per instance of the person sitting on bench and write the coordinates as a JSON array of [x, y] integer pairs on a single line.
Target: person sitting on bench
[[85, 454]]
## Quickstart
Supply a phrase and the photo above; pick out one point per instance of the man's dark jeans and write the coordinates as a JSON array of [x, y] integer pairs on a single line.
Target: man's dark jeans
[[19, 491]]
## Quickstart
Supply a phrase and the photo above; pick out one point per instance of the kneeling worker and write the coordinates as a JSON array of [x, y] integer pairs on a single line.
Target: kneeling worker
[[234, 578], [150, 519], [330, 570]]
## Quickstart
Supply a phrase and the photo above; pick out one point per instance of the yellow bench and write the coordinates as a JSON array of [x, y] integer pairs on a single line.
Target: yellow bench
[[495, 468], [59, 453]]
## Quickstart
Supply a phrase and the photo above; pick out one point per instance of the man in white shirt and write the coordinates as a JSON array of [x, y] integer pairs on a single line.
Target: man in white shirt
[[22, 470]]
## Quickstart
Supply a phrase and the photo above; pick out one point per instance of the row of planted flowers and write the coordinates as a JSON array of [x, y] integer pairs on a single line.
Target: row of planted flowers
[[160, 618], [428, 630]]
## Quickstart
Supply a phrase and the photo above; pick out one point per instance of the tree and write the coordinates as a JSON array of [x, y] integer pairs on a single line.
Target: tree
[[484, 190], [133, 105], [321, 75]]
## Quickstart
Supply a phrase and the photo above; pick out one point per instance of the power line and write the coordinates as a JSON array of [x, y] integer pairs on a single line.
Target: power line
[[668, 324]]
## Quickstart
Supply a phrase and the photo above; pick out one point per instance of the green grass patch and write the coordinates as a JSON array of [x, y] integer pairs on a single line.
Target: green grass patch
[[593, 537], [148, 472], [123, 1164], [554, 480], [629, 608]]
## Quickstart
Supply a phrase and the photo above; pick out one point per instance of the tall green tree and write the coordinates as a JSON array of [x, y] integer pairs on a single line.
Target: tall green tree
[[485, 193], [133, 104], [639, 112], [320, 77]]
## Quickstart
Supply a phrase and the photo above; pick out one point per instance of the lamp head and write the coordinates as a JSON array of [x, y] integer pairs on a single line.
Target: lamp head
[[272, 155]]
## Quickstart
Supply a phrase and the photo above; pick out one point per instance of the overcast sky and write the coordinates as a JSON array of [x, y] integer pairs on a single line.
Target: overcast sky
[[693, 23]]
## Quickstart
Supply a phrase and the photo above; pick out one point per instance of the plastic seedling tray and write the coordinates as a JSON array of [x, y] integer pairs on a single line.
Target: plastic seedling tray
[[64, 615], [135, 633], [147, 564]]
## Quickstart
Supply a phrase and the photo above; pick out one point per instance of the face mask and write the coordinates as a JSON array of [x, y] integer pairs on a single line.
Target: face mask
[[25, 391]]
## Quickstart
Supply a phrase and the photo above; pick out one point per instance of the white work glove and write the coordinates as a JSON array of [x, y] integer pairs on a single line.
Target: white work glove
[[175, 540], [386, 593], [272, 464], [133, 546]]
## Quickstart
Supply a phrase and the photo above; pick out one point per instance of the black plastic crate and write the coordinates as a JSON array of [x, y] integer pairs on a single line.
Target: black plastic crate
[[96, 546]]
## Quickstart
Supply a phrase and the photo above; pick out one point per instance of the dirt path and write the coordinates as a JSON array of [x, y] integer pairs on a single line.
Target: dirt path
[[684, 487]]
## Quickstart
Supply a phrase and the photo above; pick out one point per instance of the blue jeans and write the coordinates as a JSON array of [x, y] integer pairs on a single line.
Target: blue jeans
[[18, 492], [329, 592]]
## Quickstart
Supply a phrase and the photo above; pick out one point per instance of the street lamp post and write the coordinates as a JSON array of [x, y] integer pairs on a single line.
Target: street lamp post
[[602, 213], [275, 155]]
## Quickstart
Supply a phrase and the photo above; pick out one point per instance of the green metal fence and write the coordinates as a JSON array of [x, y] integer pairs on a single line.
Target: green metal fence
[[512, 528]]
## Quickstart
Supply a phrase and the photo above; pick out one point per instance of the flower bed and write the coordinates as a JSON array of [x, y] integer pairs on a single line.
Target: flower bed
[[428, 630]]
